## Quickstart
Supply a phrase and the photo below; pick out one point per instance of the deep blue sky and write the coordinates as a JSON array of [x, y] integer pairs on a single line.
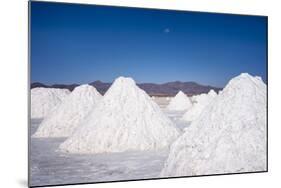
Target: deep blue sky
[[73, 43]]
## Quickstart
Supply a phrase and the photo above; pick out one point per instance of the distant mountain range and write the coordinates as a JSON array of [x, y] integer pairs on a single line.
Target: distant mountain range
[[166, 89]]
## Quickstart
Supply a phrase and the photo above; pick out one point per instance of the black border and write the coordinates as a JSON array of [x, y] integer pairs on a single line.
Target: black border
[[127, 7]]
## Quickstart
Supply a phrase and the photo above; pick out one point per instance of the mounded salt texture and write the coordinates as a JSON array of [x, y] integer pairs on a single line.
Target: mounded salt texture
[[228, 137], [68, 115], [43, 100], [126, 119], [180, 102], [196, 98], [201, 102], [212, 93], [199, 97], [193, 99]]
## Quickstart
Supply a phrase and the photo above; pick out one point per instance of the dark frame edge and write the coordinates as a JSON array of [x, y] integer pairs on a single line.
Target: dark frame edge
[[267, 150], [28, 92]]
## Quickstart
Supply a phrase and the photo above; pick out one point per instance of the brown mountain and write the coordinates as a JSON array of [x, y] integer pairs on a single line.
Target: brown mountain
[[166, 89]]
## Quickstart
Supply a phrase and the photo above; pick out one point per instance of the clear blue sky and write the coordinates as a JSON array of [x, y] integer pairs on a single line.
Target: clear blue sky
[[73, 43]]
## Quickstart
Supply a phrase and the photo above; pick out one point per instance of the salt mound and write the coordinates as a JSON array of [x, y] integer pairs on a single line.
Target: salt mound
[[202, 101], [212, 93], [43, 100], [200, 97], [180, 102], [228, 137], [66, 117], [197, 98], [126, 119]]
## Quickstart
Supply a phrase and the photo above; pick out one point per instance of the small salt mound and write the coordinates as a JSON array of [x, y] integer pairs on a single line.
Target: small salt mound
[[228, 137], [193, 99], [200, 97], [66, 117], [212, 93], [180, 102], [126, 119], [43, 100], [202, 101]]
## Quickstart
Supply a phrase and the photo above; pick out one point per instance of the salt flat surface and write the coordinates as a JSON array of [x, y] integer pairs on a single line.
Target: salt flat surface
[[162, 101], [50, 167]]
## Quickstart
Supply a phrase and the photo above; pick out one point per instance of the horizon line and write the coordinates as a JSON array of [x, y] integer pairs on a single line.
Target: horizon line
[[52, 84]]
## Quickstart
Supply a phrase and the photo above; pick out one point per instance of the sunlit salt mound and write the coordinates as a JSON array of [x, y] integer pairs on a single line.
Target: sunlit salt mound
[[126, 119], [44, 99], [212, 93], [202, 101], [197, 98], [180, 102], [228, 137], [66, 117]]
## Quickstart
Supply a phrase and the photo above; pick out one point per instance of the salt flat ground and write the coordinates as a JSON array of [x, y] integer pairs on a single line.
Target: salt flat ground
[[49, 166]]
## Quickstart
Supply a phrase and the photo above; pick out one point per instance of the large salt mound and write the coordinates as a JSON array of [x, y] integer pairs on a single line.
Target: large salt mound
[[126, 119], [228, 137], [180, 102], [43, 100], [66, 117], [201, 102]]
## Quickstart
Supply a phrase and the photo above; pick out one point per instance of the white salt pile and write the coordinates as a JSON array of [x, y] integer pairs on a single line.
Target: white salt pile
[[228, 137], [68, 115], [180, 102], [201, 102], [212, 93], [126, 119], [43, 100]]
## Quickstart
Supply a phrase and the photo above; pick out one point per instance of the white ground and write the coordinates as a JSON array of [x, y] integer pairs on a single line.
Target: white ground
[[51, 167], [48, 166]]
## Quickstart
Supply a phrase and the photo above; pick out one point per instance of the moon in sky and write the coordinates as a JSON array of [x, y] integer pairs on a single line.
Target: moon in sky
[[167, 30]]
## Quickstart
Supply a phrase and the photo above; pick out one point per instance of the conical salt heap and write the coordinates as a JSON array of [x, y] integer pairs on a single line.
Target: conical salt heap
[[201, 102], [228, 137], [180, 102], [126, 119], [66, 117], [43, 100]]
